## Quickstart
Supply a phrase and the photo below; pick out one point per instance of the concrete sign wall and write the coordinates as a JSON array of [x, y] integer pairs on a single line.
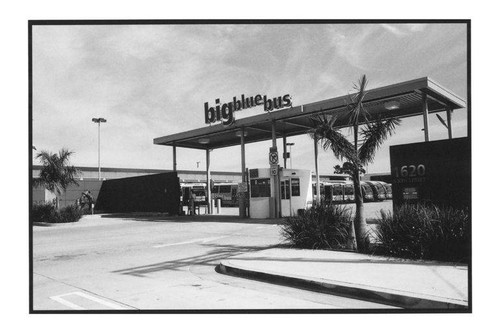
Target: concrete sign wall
[[437, 172]]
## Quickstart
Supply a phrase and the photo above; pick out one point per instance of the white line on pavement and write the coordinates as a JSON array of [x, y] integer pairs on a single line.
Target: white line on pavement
[[65, 302], [61, 300], [203, 240]]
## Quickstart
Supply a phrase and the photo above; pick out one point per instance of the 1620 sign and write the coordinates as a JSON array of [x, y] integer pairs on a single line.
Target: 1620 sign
[[409, 171]]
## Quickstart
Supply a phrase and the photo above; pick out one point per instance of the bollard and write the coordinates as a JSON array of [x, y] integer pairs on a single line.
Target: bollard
[[219, 204]]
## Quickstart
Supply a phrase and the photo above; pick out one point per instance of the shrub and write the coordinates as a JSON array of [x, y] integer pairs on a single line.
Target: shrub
[[46, 212], [318, 227], [69, 214], [425, 232], [43, 212]]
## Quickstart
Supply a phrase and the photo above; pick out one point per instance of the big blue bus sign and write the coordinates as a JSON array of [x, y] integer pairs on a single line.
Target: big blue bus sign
[[225, 112]]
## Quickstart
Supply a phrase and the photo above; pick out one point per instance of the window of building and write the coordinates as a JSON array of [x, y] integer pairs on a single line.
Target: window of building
[[260, 188], [295, 187], [225, 189], [285, 189]]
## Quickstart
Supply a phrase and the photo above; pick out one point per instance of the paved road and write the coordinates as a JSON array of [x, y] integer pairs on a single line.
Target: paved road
[[152, 263]]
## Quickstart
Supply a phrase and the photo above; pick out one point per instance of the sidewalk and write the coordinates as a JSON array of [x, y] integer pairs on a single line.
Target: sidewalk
[[402, 283]]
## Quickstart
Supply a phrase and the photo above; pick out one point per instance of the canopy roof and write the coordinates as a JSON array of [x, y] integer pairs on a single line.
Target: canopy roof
[[296, 120]]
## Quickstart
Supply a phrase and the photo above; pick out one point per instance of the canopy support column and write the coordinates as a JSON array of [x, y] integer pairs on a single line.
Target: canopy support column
[[276, 178], [425, 112], [318, 189], [209, 189], [448, 120], [242, 195], [174, 150], [284, 151]]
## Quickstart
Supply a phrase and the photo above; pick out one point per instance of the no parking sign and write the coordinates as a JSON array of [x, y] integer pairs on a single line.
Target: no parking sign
[[273, 156]]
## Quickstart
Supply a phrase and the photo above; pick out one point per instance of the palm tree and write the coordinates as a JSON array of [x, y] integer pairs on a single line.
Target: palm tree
[[56, 174], [369, 134]]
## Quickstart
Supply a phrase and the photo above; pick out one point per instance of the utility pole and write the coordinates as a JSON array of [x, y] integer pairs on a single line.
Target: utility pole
[[290, 144], [99, 121]]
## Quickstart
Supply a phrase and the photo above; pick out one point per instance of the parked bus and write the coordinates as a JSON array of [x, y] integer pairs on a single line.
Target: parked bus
[[349, 192], [227, 192], [338, 192], [199, 190], [378, 190], [388, 190], [367, 192], [342, 192]]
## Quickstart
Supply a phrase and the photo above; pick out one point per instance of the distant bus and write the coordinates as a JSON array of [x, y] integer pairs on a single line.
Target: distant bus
[[388, 189], [379, 191], [199, 190], [367, 192], [342, 191], [227, 192]]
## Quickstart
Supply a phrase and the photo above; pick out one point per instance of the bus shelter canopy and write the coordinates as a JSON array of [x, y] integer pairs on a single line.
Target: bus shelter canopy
[[401, 100]]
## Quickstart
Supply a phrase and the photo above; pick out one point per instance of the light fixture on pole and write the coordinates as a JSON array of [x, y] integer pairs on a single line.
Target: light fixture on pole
[[290, 144], [99, 121]]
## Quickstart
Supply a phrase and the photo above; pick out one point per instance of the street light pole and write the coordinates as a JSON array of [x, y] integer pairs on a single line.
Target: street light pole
[[99, 121], [290, 144]]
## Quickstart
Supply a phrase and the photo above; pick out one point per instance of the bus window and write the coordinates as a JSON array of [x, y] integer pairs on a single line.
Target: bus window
[[388, 187], [328, 193], [367, 192], [338, 192], [349, 192], [381, 190]]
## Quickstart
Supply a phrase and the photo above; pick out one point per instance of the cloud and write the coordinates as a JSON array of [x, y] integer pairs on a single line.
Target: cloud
[[152, 80], [401, 30]]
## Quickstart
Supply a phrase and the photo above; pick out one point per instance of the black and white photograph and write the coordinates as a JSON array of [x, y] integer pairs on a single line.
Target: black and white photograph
[[250, 166]]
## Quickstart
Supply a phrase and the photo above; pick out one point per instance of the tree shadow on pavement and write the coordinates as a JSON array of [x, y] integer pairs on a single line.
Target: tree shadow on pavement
[[218, 252], [210, 258]]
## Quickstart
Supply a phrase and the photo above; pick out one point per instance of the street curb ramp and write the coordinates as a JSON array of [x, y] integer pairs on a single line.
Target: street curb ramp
[[366, 293]]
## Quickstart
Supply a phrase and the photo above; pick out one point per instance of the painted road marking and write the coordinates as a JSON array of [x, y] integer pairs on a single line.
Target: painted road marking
[[203, 240], [60, 299], [65, 302]]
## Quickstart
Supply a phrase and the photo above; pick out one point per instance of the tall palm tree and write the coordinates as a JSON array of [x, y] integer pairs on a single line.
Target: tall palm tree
[[369, 134], [56, 173]]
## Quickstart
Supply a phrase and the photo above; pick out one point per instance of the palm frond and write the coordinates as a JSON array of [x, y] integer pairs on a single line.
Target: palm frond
[[373, 137], [64, 155], [355, 107], [331, 139], [56, 173]]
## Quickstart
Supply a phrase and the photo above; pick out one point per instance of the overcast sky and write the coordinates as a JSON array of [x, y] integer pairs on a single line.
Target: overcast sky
[[153, 80]]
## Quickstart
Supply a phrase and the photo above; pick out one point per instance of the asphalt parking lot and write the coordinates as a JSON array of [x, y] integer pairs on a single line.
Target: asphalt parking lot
[[134, 262]]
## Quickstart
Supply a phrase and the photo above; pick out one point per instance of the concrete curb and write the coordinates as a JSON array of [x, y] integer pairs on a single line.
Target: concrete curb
[[367, 293]]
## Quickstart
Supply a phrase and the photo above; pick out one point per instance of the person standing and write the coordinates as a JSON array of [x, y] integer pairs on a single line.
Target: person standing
[[90, 201], [192, 198]]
